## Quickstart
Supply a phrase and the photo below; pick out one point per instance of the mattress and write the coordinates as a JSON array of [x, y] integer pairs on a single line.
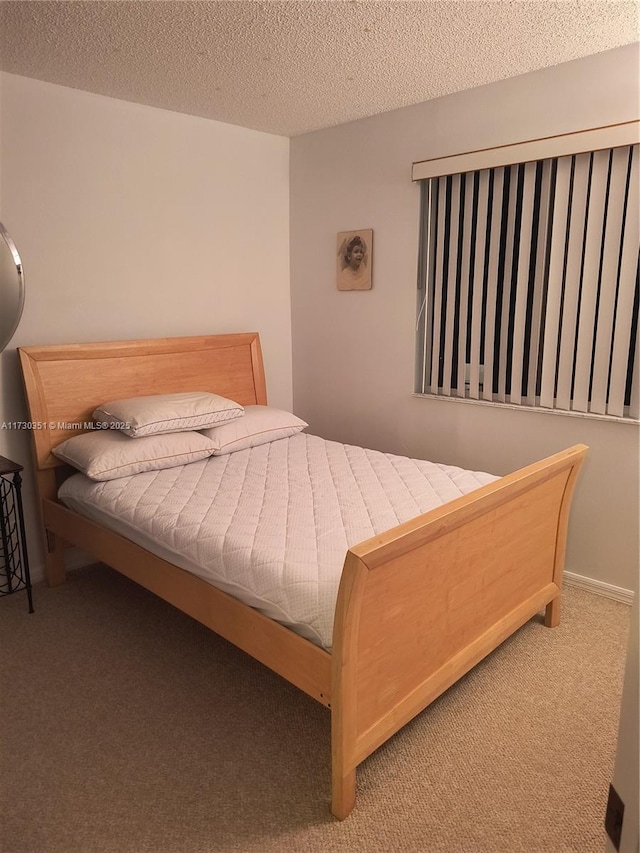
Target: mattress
[[271, 525]]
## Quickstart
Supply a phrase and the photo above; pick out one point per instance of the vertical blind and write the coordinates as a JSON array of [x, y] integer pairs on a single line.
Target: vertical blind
[[528, 283]]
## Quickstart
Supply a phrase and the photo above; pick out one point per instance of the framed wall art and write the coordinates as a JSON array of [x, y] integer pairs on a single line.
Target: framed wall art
[[354, 257]]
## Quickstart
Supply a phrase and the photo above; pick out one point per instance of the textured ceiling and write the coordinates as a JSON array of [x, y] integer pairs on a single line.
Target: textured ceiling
[[292, 67]]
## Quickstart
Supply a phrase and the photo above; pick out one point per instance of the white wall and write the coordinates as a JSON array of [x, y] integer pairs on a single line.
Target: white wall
[[135, 222], [353, 352]]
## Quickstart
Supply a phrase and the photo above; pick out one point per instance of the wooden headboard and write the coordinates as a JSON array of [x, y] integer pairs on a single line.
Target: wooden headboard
[[64, 384]]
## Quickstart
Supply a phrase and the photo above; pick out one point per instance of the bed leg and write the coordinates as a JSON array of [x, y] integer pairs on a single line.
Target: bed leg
[[552, 613], [343, 794], [55, 571]]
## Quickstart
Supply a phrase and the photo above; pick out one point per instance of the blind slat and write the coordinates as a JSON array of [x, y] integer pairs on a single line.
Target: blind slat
[[424, 277], [452, 277], [608, 289], [572, 281], [507, 283], [478, 283], [634, 406], [590, 280], [522, 283], [556, 276], [439, 277], [492, 282], [626, 291], [538, 284], [464, 284]]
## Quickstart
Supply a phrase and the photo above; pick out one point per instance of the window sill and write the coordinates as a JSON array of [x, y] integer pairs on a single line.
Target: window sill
[[533, 409]]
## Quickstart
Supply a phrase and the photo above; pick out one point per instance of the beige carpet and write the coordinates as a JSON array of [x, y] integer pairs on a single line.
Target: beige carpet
[[128, 728]]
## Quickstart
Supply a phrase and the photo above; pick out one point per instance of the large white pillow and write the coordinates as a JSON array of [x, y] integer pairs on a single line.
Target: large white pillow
[[259, 425], [107, 454], [161, 413]]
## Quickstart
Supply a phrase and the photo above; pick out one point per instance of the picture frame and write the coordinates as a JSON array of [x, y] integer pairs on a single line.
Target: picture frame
[[354, 256]]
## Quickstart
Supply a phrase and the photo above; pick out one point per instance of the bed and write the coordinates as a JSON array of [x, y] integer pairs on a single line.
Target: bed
[[417, 605]]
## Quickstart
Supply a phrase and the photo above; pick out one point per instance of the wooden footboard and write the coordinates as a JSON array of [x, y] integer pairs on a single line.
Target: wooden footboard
[[420, 605]]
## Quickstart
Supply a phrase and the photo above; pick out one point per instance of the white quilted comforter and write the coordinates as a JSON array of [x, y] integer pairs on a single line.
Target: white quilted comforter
[[271, 525]]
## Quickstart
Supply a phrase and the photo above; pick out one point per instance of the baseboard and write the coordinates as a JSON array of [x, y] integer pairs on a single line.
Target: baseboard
[[608, 590]]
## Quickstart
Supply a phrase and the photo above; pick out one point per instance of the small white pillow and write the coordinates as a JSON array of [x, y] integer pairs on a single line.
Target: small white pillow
[[107, 454], [259, 425], [162, 413]]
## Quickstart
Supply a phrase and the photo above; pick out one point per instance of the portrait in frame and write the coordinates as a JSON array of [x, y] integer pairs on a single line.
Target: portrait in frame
[[354, 257]]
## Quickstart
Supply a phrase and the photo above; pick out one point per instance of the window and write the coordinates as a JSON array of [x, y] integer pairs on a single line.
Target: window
[[528, 281]]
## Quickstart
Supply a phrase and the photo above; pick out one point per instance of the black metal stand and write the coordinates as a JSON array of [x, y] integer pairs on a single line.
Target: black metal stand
[[14, 562]]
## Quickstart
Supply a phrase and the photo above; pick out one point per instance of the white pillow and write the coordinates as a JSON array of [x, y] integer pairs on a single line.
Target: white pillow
[[107, 454], [161, 413], [259, 425]]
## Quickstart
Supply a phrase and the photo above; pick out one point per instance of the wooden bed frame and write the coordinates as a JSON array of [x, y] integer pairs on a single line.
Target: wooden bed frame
[[418, 606]]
